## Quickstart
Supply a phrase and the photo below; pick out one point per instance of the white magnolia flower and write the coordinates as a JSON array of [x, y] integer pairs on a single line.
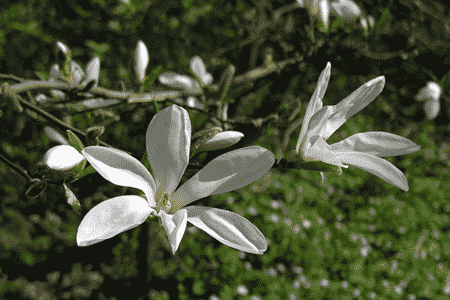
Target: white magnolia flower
[[168, 142], [141, 60], [62, 158], [431, 94], [317, 9], [348, 10], [185, 82], [362, 150]]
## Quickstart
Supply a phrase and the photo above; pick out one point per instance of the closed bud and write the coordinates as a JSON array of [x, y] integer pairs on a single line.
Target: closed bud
[[141, 58], [432, 91], [76, 73], [62, 158], [93, 71], [348, 10], [199, 69], [180, 81], [432, 108], [222, 140]]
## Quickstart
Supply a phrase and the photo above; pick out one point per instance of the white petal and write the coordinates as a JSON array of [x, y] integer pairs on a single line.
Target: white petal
[[198, 67], [93, 70], [54, 72], [112, 217], [321, 151], [168, 141], [76, 71], [352, 104], [346, 9], [121, 169], [324, 12], [376, 143], [315, 104], [62, 158], [175, 226], [227, 172], [141, 60], [222, 140], [377, 166], [228, 228], [432, 108], [180, 81]]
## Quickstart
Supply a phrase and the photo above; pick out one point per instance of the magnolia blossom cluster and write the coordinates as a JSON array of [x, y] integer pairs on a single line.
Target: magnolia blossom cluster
[[168, 142]]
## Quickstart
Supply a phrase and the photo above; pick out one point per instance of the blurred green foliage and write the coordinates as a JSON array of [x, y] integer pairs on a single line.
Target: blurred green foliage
[[354, 236]]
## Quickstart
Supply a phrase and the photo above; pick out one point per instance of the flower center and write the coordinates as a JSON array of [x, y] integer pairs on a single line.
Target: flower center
[[164, 203]]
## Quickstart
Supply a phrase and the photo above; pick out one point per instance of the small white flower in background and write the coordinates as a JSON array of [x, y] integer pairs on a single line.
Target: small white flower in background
[[348, 10], [63, 48], [62, 158], [222, 140], [141, 59], [317, 9], [168, 140], [431, 94], [198, 67], [55, 136], [362, 150], [187, 83], [193, 102]]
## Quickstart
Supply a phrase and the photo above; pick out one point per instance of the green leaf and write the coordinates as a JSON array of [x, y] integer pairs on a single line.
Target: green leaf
[[336, 23], [151, 78], [74, 141], [85, 172], [383, 18]]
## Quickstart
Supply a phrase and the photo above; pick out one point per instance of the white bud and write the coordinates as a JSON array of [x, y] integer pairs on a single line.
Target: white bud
[[63, 48], [193, 102], [180, 81], [198, 67], [62, 158], [76, 72], [222, 140], [432, 91], [141, 58], [55, 136], [431, 108], [93, 71]]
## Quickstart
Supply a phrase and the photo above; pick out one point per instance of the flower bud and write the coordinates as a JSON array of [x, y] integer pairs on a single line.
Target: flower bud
[[76, 72], [180, 81], [198, 67], [431, 108], [141, 60], [432, 91], [62, 158], [63, 48], [222, 140], [55, 136], [92, 71]]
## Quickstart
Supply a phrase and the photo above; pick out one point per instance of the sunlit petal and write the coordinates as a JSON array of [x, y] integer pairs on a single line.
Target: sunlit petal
[[175, 226], [229, 171], [198, 67], [352, 104], [315, 104], [168, 141], [377, 166], [376, 143], [121, 169], [112, 217], [228, 228], [141, 60], [93, 70]]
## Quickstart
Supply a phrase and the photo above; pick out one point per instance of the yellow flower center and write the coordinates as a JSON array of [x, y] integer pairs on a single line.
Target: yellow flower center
[[164, 203]]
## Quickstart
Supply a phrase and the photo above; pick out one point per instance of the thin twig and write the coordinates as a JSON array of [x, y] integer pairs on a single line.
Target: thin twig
[[16, 168]]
